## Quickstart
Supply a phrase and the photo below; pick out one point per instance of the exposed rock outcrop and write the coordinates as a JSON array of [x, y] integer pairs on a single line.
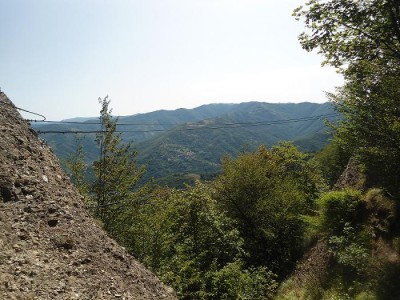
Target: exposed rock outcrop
[[50, 247], [352, 177]]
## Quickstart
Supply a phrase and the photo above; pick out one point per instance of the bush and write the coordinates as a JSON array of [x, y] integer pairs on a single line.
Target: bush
[[349, 249], [234, 282], [339, 208]]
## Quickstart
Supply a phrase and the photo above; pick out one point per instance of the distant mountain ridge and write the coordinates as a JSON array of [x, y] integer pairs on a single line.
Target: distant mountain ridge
[[192, 141], [80, 119]]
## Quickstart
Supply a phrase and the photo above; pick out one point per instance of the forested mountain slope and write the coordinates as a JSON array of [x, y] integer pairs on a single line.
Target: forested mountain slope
[[199, 148], [187, 141]]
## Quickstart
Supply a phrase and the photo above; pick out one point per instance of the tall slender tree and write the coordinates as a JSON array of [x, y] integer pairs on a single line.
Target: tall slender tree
[[114, 191]]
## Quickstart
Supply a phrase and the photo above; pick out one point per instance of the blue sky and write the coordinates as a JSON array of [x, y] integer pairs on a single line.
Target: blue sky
[[58, 56]]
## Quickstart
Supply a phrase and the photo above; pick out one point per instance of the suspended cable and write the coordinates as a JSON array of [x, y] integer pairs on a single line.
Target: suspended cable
[[98, 123], [174, 124], [194, 126], [27, 111]]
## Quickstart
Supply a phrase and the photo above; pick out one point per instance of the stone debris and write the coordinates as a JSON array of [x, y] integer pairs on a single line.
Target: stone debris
[[50, 247]]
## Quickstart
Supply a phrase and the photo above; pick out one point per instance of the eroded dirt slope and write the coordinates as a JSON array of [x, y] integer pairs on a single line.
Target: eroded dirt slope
[[50, 248]]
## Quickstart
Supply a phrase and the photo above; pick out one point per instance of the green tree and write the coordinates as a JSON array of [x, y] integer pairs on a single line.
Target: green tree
[[114, 189], [193, 246], [371, 128], [349, 31], [201, 239], [363, 38], [267, 193]]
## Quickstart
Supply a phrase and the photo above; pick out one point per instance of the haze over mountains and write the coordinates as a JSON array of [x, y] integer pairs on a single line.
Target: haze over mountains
[[176, 143]]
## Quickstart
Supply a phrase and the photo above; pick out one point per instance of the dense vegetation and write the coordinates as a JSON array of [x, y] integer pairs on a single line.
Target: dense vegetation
[[274, 224]]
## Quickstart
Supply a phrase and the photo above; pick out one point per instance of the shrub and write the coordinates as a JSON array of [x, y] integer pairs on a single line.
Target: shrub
[[339, 208], [234, 282]]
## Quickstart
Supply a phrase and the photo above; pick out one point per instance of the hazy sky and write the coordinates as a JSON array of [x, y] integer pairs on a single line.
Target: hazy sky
[[58, 56]]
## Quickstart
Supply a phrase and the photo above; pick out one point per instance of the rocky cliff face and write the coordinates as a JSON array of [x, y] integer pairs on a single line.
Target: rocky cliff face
[[50, 248]]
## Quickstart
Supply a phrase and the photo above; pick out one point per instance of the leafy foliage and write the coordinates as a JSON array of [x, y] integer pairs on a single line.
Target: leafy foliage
[[267, 192], [196, 248], [339, 208], [349, 31], [349, 249], [363, 37], [371, 128], [232, 282]]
